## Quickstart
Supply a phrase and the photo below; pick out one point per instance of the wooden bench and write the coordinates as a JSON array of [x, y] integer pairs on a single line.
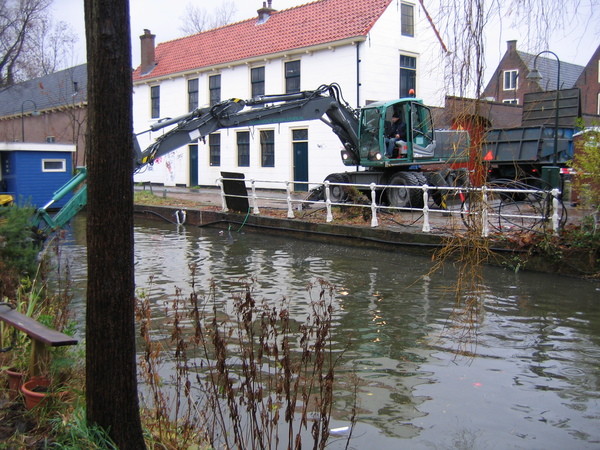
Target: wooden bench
[[41, 335], [149, 184]]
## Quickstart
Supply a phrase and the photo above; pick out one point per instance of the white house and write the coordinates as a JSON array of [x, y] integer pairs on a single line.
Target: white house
[[374, 49]]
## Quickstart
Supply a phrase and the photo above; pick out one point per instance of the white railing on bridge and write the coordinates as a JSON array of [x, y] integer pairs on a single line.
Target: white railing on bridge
[[495, 208]]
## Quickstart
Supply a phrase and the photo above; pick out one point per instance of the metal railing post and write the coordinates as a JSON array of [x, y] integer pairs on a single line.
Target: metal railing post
[[223, 200], [254, 198], [290, 211], [426, 226], [374, 221], [328, 201], [555, 207], [485, 230]]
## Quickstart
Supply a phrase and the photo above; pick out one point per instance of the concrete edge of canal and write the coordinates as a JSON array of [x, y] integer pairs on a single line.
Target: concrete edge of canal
[[574, 262]]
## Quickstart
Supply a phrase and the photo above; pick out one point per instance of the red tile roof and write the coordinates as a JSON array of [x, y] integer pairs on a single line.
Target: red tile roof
[[315, 23]]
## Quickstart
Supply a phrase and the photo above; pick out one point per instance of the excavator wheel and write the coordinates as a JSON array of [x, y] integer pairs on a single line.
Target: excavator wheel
[[400, 196], [337, 194], [421, 178]]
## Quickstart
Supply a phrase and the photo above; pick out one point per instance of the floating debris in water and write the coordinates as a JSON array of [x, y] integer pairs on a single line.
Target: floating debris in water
[[339, 431]]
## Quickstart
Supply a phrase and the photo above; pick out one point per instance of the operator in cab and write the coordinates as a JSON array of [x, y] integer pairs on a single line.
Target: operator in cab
[[395, 131]]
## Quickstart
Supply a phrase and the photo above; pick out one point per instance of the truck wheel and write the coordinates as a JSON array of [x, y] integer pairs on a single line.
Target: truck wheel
[[337, 193], [401, 197]]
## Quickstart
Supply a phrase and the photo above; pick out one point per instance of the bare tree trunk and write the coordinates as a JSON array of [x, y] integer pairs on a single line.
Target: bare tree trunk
[[111, 384]]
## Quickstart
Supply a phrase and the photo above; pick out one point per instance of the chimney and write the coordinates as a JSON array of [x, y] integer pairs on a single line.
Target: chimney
[[148, 58], [265, 12], [511, 46]]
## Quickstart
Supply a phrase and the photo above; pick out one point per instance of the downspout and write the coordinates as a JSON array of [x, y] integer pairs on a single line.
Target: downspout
[[357, 74]]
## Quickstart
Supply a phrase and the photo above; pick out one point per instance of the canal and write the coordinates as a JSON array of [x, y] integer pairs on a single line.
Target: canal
[[528, 379]]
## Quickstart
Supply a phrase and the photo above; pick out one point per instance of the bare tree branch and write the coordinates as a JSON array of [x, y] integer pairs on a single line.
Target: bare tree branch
[[196, 19], [17, 20], [51, 49], [464, 25]]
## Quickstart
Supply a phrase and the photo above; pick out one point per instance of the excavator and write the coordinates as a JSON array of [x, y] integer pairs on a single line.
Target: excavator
[[363, 134]]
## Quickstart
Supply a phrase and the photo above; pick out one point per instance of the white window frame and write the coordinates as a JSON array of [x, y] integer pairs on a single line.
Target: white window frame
[[63, 163], [511, 101], [598, 105], [510, 84]]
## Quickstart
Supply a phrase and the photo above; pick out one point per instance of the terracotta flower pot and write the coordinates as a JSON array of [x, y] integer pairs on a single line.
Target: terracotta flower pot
[[15, 381], [35, 391]]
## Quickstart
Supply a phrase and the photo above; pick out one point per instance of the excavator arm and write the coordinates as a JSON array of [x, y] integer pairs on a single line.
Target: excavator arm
[[324, 103], [42, 223]]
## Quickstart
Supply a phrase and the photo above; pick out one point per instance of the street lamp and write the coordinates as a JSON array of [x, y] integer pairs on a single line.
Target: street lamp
[[34, 113], [535, 75]]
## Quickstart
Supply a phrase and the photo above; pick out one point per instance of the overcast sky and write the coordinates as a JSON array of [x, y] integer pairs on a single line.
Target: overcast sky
[[163, 18]]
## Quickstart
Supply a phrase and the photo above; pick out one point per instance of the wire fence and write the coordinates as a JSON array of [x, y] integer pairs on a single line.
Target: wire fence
[[496, 207]]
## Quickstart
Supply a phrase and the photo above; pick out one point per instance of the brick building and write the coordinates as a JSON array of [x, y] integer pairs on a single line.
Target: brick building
[[50, 109], [509, 83]]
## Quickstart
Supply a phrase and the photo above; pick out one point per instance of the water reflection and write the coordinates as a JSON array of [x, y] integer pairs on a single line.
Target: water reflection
[[533, 379]]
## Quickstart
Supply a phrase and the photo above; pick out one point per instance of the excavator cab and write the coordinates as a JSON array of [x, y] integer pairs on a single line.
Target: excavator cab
[[374, 126]]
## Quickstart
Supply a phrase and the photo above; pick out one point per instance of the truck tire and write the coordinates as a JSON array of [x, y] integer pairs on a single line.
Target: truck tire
[[402, 197], [337, 194]]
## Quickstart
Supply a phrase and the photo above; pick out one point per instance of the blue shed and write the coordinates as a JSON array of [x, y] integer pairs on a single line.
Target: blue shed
[[32, 172]]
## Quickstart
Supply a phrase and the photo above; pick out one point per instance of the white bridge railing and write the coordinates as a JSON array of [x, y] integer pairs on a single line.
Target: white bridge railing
[[481, 208]]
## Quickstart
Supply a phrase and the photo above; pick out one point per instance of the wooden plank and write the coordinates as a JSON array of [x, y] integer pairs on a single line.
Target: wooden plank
[[34, 329]]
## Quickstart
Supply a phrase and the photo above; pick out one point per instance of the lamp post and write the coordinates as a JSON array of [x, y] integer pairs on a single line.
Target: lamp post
[[34, 113], [535, 75]]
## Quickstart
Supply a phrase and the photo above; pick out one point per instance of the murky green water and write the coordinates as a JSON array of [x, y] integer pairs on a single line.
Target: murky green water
[[529, 380]]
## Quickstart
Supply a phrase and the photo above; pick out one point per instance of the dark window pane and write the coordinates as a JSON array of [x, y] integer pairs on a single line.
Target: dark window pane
[[214, 145], [300, 135], [407, 27], [214, 86], [267, 148], [192, 94], [408, 75], [155, 101], [292, 76], [243, 147], [257, 76]]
